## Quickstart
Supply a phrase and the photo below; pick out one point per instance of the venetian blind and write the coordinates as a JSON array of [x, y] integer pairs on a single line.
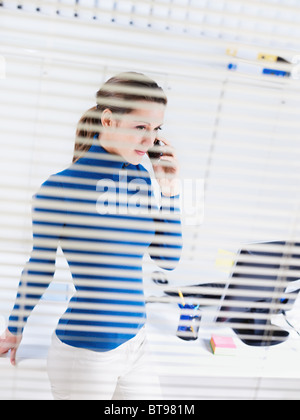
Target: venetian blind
[[231, 74]]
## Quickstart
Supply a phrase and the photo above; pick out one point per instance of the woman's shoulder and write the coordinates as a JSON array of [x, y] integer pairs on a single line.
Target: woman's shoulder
[[75, 177], [62, 177], [54, 183]]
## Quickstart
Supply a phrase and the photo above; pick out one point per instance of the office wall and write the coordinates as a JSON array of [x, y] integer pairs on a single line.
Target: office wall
[[236, 131]]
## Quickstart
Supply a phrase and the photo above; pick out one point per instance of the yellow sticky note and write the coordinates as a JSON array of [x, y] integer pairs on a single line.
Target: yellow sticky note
[[267, 57], [225, 260], [232, 51]]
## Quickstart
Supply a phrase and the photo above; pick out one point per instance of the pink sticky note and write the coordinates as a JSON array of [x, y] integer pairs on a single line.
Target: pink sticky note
[[223, 346], [223, 342]]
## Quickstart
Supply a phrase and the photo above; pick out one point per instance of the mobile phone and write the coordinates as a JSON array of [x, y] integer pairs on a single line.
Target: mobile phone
[[156, 154]]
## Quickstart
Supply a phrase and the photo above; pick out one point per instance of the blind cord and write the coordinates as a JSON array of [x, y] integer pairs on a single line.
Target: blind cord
[[289, 323]]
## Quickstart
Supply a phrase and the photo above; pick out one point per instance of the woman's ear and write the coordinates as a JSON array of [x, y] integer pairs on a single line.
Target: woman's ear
[[107, 118]]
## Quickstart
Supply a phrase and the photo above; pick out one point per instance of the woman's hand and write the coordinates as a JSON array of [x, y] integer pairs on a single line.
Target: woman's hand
[[166, 170], [8, 341]]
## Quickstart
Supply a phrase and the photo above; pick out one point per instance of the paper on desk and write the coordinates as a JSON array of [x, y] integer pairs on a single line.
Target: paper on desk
[[293, 287]]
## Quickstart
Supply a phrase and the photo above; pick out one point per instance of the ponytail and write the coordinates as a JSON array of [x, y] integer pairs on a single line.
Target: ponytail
[[87, 129]]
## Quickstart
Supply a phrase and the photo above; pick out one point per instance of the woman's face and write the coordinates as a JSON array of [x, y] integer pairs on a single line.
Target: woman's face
[[132, 135]]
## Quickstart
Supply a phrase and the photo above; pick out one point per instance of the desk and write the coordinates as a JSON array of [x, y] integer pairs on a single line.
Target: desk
[[188, 370], [252, 373]]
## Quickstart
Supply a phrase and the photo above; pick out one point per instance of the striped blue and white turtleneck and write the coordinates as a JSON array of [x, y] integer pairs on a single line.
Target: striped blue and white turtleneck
[[101, 212]]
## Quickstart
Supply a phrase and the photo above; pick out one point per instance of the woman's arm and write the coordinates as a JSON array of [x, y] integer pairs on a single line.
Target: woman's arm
[[166, 247], [47, 215]]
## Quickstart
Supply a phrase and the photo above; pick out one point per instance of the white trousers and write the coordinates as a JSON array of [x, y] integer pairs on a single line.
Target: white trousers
[[126, 373]]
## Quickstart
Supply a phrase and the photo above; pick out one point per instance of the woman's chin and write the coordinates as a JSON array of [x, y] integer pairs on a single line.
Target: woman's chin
[[135, 159]]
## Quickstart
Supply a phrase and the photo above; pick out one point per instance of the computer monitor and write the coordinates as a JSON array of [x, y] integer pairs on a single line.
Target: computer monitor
[[257, 290]]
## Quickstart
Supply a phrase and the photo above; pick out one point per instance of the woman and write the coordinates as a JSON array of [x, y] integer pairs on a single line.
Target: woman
[[100, 211]]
